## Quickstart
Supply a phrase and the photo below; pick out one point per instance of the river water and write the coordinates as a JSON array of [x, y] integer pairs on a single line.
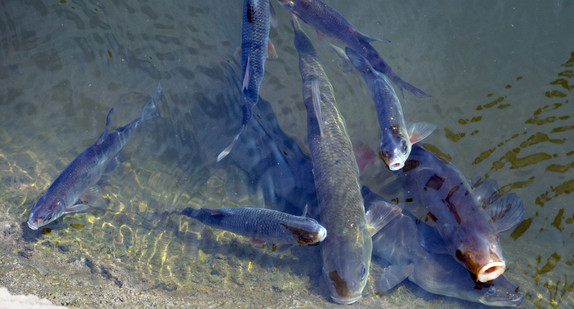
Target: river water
[[499, 73]]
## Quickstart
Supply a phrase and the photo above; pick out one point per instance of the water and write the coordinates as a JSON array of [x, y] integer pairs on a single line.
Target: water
[[499, 74]]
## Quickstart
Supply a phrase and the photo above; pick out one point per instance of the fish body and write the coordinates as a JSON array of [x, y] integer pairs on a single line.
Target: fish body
[[397, 243], [71, 191], [437, 193], [330, 22], [254, 42], [396, 142], [278, 228], [346, 252]]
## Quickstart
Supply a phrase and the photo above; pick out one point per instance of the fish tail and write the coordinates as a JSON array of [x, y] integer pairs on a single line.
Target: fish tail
[[191, 212], [150, 109], [404, 85]]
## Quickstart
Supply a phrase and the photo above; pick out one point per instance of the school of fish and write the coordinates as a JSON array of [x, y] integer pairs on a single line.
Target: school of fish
[[441, 232]]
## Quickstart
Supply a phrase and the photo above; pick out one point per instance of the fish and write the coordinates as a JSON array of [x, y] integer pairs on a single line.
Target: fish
[[76, 188], [468, 222], [330, 22], [254, 45], [397, 244], [346, 252], [396, 140], [277, 228]]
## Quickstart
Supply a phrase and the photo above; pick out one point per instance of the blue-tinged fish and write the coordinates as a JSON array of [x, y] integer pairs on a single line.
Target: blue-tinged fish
[[76, 188], [397, 244], [277, 228], [254, 42], [346, 252], [396, 141], [468, 222], [328, 21]]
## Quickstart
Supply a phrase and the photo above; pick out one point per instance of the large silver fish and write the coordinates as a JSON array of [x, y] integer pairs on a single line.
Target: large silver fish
[[346, 252], [467, 219], [396, 141], [75, 189], [328, 21], [397, 243], [254, 41], [277, 228]]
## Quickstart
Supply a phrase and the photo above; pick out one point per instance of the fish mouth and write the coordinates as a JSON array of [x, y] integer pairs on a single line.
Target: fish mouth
[[491, 271], [396, 165], [321, 235], [32, 226], [345, 300]]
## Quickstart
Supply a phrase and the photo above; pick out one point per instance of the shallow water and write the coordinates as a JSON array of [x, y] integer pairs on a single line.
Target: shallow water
[[499, 74]]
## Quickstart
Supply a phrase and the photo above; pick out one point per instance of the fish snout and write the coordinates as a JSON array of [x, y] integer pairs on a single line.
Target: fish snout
[[33, 224], [491, 271], [396, 165]]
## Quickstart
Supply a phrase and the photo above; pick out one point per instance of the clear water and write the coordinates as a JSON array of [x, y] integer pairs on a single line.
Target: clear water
[[499, 73]]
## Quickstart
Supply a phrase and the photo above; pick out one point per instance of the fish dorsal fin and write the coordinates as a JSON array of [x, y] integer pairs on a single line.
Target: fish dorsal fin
[[380, 213], [506, 212], [393, 275], [316, 96], [430, 239], [485, 192], [216, 211], [105, 133], [419, 131]]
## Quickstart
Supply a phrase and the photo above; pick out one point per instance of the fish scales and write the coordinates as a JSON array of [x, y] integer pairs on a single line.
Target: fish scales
[[346, 252]]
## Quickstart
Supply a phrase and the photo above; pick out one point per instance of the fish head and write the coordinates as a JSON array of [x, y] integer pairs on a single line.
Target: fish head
[[346, 266], [308, 232], [46, 210], [500, 293], [395, 148], [480, 253]]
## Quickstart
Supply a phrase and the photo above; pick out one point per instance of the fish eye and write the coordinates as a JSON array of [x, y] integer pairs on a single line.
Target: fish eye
[[363, 270], [491, 290], [404, 146]]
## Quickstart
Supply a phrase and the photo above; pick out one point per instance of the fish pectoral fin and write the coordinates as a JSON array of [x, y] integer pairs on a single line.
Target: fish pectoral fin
[[105, 133], [370, 38], [393, 275], [316, 96], [76, 208], [277, 249], [506, 212], [92, 197], [420, 130], [380, 213], [271, 51], [430, 239], [486, 191], [112, 165]]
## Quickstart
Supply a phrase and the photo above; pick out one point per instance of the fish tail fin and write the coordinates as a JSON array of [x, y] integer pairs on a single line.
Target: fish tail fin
[[371, 39], [190, 212], [402, 84], [105, 133], [228, 149], [150, 109], [360, 63], [302, 42]]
